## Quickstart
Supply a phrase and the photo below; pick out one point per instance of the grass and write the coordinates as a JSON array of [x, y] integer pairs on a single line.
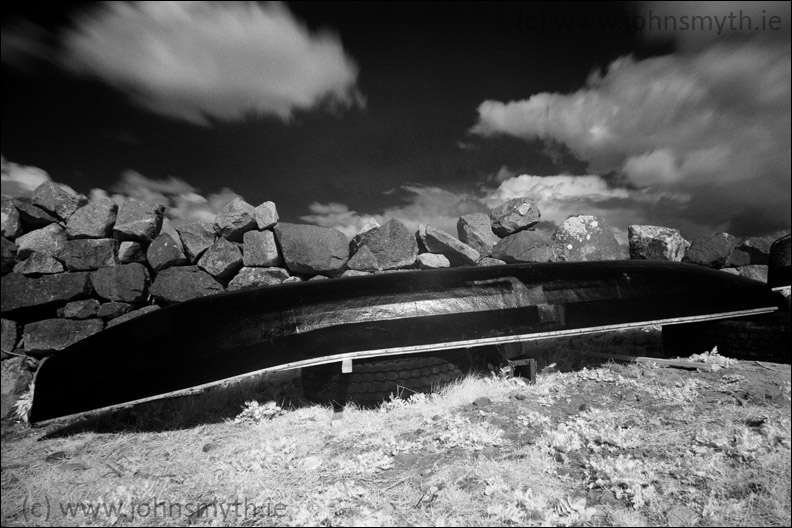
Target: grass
[[590, 444]]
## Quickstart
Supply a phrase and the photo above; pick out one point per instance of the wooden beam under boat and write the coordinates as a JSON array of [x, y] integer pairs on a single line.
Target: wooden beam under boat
[[208, 340]]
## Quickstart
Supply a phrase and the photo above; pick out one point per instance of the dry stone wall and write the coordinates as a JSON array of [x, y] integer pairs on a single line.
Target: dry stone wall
[[73, 267]]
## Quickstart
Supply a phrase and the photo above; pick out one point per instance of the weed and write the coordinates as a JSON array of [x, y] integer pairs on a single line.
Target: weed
[[255, 412]]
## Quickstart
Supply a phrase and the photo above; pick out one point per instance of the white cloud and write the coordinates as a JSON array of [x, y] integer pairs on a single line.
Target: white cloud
[[183, 202], [223, 60], [21, 180], [550, 189], [23, 44], [658, 166], [438, 207], [134, 185], [338, 216], [557, 197], [712, 125], [561, 196]]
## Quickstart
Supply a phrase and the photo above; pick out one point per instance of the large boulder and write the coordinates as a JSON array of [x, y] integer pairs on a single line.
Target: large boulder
[[779, 263], [84, 309], [266, 215], [354, 245], [754, 271], [9, 338], [38, 264], [392, 245], [757, 272], [363, 260], [312, 250], [488, 261], [249, 277], [131, 315], [750, 251], [348, 273], [165, 252], [523, 246], [432, 261], [235, 219], [33, 217], [95, 220], [56, 200], [260, 250], [513, 216], [8, 255], [14, 381], [25, 292], [10, 223], [437, 241], [475, 230], [129, 252], [87, 254], [183, 283], [584, 238], [655, 243], [712, 251], [222, 260], [138, 221], [42, 338], [49, 240], [111, 310], [196, 237], [127, 283]]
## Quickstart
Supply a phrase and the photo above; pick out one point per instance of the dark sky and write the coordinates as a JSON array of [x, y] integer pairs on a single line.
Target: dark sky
[[423, 71]]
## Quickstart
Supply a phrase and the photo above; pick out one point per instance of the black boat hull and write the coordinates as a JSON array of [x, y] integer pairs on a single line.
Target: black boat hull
[[207, 340]]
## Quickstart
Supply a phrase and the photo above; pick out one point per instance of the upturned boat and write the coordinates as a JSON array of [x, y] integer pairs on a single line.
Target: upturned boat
[[206, 341]]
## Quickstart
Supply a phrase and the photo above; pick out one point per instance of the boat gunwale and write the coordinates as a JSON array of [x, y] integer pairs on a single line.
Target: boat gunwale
[[415, 349]]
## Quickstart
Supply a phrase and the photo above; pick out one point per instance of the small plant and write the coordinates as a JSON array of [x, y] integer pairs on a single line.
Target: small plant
[[460, 432], [713, 358], [564, 439], [741, 442], [23, 405], [573, 511], [625, 476], [368, 462], [254, 412], [396, 402], [506, 513]]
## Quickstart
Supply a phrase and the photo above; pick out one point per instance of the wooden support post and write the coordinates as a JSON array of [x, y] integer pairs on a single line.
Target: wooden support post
[[346, 366], [525, 368]]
